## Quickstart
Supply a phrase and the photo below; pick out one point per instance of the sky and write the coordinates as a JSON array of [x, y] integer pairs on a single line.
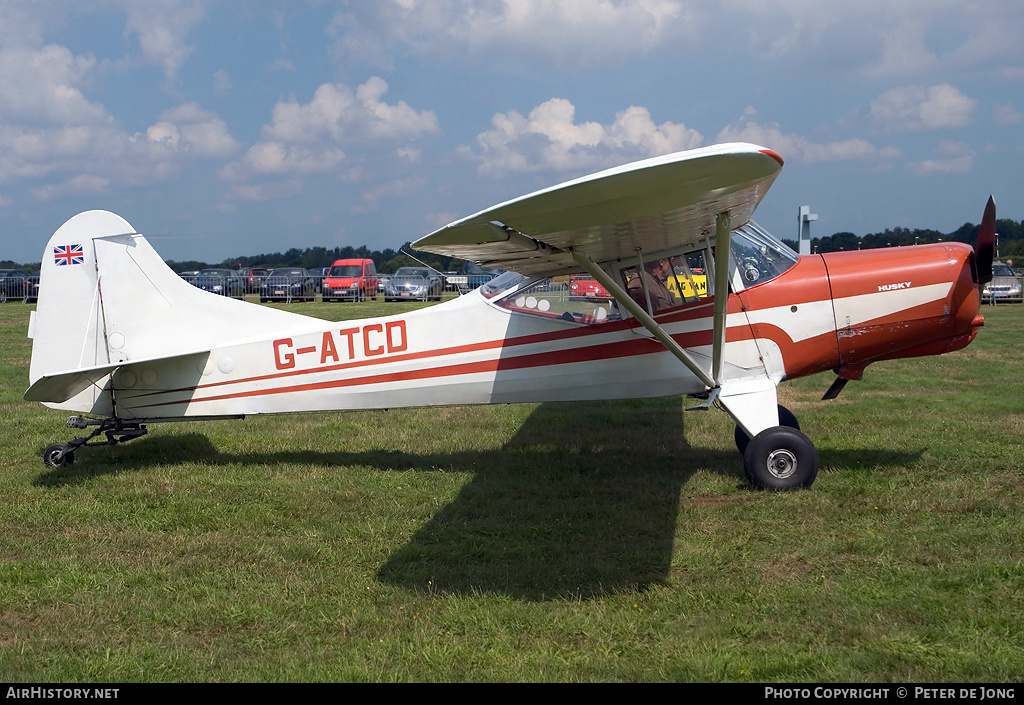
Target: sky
[[234, 127]]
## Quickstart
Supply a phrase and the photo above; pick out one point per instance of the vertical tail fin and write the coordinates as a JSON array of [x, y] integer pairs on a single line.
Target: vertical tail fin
[[106, 297]]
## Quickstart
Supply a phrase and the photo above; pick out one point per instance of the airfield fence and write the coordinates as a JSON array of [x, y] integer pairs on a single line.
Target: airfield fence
[[218, 284], [464, 283], [18, 287]]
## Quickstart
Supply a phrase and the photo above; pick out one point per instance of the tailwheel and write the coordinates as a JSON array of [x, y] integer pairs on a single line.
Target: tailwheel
[[117, 431], [786, 418], [58, 455], [781, 458]]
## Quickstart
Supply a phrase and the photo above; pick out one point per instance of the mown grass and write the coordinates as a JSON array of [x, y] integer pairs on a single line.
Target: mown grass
[[557, 542]]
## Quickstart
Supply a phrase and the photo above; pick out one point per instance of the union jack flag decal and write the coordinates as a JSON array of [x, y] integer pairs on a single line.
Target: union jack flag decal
[[64, 255]]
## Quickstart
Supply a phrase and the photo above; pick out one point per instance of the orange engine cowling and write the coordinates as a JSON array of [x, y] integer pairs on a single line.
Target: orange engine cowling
[[902, 302]]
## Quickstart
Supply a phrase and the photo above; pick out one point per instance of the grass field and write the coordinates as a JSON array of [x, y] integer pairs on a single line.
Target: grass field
[[556, 542]]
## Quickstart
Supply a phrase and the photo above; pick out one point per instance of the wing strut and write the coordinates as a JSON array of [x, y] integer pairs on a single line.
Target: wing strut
[[649, 323], [723, 231]]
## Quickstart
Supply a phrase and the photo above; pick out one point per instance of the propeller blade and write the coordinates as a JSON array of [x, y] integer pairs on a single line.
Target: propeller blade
[[986, 242]]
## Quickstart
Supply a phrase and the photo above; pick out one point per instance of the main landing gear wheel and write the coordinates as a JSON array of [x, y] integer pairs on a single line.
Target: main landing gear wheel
[[781, 458], [786, 418]]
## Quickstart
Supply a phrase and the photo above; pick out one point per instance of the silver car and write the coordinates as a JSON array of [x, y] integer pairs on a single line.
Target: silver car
[[1005, 286], [416, 283]]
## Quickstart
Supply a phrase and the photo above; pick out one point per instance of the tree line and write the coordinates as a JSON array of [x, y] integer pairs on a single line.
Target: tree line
[[1010, 234], [1011, 245], [316, 258]]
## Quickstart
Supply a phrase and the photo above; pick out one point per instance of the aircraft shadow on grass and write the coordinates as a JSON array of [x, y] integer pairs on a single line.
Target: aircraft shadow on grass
[[558, 511]]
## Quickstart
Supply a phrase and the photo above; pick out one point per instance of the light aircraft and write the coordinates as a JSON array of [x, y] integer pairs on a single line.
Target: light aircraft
[[124, 342]]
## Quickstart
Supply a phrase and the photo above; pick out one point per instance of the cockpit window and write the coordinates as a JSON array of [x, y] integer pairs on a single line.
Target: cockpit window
[[667, 282], [758, 256], [552, 298]]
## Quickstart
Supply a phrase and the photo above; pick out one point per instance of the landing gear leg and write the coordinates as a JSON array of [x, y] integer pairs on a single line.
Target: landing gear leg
[[117, 430], [786, 418]]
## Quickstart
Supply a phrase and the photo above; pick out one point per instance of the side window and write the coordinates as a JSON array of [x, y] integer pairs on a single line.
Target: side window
[[668, 282], [551, 298], [689, 277]]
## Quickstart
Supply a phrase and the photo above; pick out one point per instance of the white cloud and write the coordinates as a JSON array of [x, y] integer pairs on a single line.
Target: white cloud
[[370, 198], [43, 86], [197, 131], [795, 147], [261, 192], [550, 139], [27, 22], [954, 158], [1006, 115], [312, 137], [222, 82], [50, 130], [564, 32], [161, 27], [341, 115], [276, 158], [870, 38], [914, 108]]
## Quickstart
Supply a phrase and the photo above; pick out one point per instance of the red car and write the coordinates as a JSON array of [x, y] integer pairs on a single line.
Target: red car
[[583, 287], [354, 279]]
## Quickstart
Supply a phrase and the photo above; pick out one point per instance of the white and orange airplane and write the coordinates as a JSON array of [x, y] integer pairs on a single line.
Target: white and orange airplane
[[703, 303]]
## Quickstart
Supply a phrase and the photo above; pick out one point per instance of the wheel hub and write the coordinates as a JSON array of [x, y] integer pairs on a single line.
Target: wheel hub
[[782, 463]]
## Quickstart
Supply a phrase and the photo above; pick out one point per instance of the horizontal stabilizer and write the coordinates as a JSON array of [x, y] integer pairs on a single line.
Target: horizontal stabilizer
[[59, 387]]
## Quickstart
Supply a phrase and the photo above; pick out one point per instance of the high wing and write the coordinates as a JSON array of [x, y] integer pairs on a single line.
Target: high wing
[[650, 205]]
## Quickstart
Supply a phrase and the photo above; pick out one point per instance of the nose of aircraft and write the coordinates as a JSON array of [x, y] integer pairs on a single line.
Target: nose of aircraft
[[903, 302], [965, 296]]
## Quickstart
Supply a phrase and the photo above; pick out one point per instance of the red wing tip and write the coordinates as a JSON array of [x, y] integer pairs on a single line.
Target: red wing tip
[[774, 155]]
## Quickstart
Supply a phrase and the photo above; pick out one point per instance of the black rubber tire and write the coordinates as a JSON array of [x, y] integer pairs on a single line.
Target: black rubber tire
[[786, 418], [781, 458], [53, 458]]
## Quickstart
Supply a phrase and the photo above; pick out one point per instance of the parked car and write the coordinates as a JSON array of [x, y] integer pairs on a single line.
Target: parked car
[[354, 279], [418, 283], [583, 287], [1005, 286], [252, 277], [216, 280], [13, 285], [319, 274], [472, 276], [32, 290], [288, 284]]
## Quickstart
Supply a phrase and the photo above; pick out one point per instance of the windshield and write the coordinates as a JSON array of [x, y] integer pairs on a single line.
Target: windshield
[[758, 256], [1001, 270], [346, 270], [412, 272], [500, 284]]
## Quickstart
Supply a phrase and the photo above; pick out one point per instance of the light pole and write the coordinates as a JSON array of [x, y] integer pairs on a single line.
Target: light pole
[[804, 219]]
